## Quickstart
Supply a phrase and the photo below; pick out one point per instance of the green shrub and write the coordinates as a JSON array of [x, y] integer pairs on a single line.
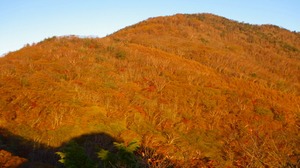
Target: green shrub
[[124, 157], [74, 156]]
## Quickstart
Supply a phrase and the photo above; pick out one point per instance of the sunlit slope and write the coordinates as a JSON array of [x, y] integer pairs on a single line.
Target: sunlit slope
[[267, 54], [200, 89]]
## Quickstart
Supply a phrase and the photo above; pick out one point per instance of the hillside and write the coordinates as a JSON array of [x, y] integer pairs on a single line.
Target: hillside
[[192, 90], [231, 48]]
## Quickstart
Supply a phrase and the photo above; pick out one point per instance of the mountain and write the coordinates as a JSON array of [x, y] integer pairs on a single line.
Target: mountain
[[196, 90], [232, 48]]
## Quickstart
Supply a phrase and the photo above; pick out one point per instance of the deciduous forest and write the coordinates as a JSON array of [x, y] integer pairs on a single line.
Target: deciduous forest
[[189, 90]]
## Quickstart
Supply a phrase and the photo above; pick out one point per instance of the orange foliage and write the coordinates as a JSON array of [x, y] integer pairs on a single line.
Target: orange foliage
[[200, 89]]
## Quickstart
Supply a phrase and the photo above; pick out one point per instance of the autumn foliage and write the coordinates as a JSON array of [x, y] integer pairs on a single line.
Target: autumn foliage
[[200, 89]]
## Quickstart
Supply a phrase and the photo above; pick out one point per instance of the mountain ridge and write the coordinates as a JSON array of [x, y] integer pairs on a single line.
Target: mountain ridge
[[231, 43]]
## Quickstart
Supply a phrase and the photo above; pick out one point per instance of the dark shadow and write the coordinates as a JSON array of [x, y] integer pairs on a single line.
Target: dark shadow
[[31, 151], [41, 155]]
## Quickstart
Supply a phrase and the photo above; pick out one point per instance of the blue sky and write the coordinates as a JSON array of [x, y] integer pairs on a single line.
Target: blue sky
[[28, 21]]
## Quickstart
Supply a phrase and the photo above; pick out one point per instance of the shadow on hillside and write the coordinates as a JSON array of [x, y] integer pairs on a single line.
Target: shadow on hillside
[[41, 155]]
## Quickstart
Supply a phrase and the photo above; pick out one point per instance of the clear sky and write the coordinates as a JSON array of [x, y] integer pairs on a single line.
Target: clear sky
[[28, 21]]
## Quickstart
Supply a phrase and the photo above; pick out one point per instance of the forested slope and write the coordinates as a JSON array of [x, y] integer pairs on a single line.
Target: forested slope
[[195, 89]]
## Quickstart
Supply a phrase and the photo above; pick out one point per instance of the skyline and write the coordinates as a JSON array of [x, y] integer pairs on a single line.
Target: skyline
[[27, 22]]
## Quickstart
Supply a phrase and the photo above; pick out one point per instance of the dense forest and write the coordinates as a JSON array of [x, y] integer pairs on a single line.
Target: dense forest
[[178, 91]]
